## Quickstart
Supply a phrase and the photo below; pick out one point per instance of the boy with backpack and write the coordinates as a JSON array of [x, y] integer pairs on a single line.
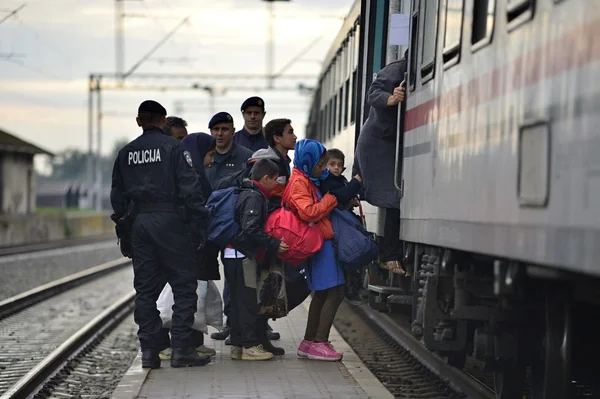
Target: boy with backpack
[[337, 184], [247, 248]]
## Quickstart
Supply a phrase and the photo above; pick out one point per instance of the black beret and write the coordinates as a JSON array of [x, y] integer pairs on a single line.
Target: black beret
[[152, 107], [253, 102], [220, 118]]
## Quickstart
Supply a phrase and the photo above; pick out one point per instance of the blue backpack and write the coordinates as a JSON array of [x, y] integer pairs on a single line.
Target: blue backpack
[[223, 228], [354, 246]]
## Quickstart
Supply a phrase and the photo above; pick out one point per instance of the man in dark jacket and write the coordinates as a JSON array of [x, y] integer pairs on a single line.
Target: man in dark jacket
[[152, 173], [251, 136], [229, 157], [249, 248]]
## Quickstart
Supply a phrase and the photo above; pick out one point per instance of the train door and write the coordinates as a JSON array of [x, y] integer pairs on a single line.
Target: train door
[[372, 53]]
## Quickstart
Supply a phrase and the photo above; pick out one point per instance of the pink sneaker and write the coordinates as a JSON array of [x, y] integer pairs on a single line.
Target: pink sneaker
[[303, 348], [323, 351]]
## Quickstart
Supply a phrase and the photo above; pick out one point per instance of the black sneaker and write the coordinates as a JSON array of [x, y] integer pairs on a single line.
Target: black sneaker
[[221, 335], [272, 335], [150, 359], [269, 347], [228, 341], [188, 357]]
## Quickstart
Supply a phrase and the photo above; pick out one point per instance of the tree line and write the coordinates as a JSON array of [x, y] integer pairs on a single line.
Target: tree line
[[71, 164]]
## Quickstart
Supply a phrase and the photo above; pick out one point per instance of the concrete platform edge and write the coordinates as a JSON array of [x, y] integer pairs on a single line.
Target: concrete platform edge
[[130, 385], [361, 374]]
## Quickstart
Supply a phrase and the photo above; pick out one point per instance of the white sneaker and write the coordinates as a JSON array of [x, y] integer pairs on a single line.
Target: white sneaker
[[205, 351], [256, 353], [165, 354]]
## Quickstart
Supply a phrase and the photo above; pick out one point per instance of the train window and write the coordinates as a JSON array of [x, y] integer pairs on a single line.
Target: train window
[[452, 34], [321, 125], [346, 101], [332, 110], [518, 11], [340, 117], [414, 39], [354, 91], [416, 6], [356, 48], [429, 40], [483, 23]]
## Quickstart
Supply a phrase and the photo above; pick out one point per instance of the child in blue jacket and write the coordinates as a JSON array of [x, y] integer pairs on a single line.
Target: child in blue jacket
[[347, 193]]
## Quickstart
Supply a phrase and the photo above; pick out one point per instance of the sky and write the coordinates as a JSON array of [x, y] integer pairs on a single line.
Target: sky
[[49, 49]]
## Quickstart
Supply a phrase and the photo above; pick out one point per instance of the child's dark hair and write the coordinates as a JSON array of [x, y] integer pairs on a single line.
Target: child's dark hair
[[264, 167], [275, 128], [334, 153]]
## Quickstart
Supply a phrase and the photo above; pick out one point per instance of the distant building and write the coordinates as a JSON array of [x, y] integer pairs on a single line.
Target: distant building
[[17, 181]]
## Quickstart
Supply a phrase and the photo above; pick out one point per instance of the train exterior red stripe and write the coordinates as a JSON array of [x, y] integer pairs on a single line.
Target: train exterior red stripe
[[570, 51]]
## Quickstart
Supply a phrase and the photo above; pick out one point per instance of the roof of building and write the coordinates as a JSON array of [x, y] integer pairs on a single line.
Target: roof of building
[[11, 143]]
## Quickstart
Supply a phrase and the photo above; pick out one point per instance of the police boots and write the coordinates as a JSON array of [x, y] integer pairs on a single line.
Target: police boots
[[150, 359], [187, 357]]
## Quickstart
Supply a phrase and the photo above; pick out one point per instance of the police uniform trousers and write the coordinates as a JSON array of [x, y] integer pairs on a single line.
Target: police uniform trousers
[[164, 340], [163, 249]]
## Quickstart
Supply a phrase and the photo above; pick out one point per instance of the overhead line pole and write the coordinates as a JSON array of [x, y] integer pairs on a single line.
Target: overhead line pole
[[12, 13]]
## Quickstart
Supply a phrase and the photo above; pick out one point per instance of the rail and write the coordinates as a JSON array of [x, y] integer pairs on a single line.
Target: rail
[[458, 380], [55, 244], [34, 380], [26, 299]]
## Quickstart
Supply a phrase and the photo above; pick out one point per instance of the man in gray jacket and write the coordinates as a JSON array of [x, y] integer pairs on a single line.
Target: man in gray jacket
[[375, 156]]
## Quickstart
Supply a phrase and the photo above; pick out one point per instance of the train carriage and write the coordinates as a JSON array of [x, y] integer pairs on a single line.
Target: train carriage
[[498, 169]]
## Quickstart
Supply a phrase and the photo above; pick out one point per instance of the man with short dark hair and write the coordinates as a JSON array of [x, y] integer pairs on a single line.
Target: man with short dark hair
[[281, 138], [229, 157], [251, 136], [176, 127], [150, 175]]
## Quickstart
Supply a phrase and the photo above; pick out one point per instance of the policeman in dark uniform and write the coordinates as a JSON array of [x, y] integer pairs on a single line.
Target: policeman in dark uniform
[[149, 175], [252, 136]]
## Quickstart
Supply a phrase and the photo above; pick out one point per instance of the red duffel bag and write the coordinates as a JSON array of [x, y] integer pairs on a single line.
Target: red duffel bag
[[304, 239]]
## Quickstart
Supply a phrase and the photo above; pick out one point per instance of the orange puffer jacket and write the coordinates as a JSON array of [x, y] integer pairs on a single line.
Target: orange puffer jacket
[[301, 198]]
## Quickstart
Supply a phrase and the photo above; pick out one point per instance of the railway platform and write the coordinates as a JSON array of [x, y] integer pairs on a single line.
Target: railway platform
[[283, 377]]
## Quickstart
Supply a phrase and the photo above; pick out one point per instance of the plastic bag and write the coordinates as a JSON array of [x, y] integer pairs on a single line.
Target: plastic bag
[[213, 306], [208, 293]]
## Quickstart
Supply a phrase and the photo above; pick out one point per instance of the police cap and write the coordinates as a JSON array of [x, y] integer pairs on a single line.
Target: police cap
[[220, 118], [253, 102], [151, 107]]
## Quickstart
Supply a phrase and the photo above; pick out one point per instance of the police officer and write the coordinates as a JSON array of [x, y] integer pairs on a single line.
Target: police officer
[[251, 136], [229, 157], [152, 172]]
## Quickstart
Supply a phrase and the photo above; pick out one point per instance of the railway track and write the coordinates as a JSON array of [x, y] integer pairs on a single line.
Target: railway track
[[38, 339], [68, 242], [385, 344], [400, 361]]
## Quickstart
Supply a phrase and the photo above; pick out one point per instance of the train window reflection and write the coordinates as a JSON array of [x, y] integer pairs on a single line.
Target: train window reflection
[[452, 34], [429, 38], [483, 22]]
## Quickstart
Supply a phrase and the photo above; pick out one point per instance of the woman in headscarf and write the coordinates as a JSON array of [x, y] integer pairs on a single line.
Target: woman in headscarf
[[202, 148], [324, 275]]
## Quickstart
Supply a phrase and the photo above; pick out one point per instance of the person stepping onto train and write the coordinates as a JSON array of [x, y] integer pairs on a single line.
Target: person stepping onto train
[[324, 275], [337, 183], [241, 259], [375, 157]]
